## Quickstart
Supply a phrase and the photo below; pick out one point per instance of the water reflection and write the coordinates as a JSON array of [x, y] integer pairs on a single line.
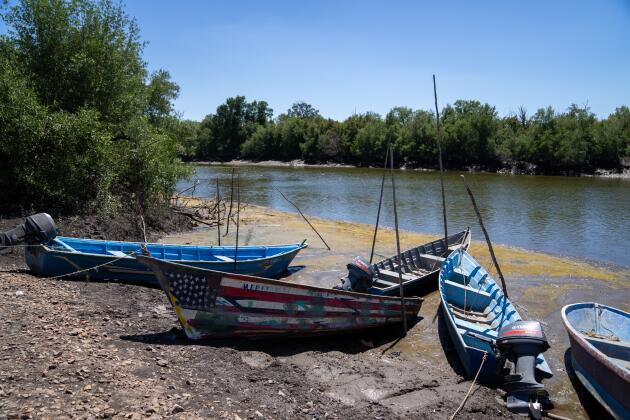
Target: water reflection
[[581, 217]]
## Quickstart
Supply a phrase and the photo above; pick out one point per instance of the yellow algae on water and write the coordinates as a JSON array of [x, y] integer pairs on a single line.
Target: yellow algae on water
[[541, 298], [266, 225], [514, 261]]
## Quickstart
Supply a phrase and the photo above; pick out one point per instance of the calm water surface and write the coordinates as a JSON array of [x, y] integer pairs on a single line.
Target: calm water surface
[[588, 218]]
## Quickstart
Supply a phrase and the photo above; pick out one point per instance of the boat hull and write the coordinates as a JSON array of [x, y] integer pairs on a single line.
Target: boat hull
[[472, 357], [215, 304], [50, 262], [608, 382]]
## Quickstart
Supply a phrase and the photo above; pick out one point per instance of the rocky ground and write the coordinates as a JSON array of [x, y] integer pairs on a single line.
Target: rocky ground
[[71, 348], [100, 350]]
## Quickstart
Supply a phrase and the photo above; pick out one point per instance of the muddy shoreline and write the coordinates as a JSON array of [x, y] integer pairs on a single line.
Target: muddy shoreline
[[508, 169], [104, 349]]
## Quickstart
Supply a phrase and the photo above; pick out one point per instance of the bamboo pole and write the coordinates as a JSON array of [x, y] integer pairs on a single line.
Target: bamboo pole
[[229, 216], [218, 215], [238, 217], [485, 233], [439, 143], [400, 279], [380, 202], [304, 217]]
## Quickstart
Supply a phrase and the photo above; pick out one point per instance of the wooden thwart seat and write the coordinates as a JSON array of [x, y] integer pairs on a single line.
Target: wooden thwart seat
[[393, 275]]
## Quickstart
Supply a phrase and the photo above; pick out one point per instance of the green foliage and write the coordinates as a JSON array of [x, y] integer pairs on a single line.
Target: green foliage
[[221, 135], [302, 110], [54, 160], [80, 54], [160, 92], [82, 125], [470, 130], [473, 134]]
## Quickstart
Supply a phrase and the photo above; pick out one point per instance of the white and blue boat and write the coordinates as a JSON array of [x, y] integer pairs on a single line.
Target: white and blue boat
[[600, 353], [476, 314], [114, 260]]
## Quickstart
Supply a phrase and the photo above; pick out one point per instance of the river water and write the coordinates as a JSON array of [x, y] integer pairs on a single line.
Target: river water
[[583, 217]]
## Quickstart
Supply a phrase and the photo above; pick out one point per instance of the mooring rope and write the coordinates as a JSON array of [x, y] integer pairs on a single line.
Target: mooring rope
[[20, 246], [485, 355], [96, 267]]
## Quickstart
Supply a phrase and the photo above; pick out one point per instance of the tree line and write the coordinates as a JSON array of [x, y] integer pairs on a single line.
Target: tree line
[[473, 134], [83, 125]]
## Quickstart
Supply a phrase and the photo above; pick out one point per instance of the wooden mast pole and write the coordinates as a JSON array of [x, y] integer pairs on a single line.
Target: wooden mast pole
[[380, 202], [485, 233], [218, 215], [439, 143], [403, 313], [238, 216], [303, 217]]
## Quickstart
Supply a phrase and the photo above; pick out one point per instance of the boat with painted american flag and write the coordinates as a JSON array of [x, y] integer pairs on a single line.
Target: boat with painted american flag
[[216, 304]]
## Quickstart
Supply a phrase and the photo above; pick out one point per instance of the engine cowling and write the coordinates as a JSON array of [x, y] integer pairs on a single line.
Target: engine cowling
[[521, 342], [360, 276], [36, 229]]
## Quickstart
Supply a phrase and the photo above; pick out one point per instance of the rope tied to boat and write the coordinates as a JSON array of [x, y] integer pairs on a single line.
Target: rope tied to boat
[[96, 267], [20, 246], [485, 356]]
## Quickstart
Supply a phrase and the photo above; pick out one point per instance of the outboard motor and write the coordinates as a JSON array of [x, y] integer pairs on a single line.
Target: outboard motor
[[521, 342], [36, 229], [360, 276]]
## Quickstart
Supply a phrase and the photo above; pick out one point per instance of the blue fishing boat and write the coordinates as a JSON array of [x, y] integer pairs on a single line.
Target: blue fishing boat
[[114, 260], [482, 321], [600, 353]]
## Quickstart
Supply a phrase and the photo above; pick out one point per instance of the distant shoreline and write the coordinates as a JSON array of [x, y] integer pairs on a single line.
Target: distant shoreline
[[507, 170]]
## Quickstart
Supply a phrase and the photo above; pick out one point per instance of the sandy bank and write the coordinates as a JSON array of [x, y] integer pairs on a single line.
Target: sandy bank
[[507, 170]]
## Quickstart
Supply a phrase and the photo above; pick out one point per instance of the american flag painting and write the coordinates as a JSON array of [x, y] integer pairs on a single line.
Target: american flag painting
[[191, 290], [216, 304]]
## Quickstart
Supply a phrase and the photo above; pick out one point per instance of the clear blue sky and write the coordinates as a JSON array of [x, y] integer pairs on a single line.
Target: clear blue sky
[[343, 56]]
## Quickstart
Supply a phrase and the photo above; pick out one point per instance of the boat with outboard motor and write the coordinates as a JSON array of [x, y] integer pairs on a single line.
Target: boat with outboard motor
[[50, 255], [116, 260], [487, 331], [420, 267]]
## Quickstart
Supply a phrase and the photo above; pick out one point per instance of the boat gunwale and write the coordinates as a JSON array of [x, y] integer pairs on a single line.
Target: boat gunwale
[[466, 236], [256, 279]]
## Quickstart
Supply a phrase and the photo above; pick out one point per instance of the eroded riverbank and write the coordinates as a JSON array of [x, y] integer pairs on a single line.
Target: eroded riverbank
[[86, 349]]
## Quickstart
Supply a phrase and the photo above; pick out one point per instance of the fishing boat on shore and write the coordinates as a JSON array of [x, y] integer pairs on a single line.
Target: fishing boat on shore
[[217, 304], [420, 266], [487, 330], [600, 353], [115, 260]]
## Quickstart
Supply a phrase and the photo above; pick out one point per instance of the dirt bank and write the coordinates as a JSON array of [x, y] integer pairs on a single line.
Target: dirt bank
[[85, 349], [508, 168]]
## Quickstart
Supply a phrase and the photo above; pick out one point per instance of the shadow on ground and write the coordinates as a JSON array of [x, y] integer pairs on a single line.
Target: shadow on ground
[[349, 343]]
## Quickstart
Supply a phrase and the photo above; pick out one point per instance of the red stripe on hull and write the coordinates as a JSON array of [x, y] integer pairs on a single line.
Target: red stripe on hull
[[307, 313], [340, 302]]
